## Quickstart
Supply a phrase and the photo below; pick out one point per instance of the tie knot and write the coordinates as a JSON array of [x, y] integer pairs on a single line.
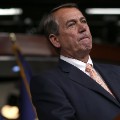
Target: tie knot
[[88, 67]]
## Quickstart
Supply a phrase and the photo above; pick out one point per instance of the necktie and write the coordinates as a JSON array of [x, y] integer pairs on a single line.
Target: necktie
[[96, 77]]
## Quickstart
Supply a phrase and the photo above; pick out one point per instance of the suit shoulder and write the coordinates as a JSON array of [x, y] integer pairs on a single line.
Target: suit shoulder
[[47, 75], [44, 80], [109, 66]]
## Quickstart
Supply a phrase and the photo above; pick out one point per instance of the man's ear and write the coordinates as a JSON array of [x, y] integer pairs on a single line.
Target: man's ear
[[54, 40]]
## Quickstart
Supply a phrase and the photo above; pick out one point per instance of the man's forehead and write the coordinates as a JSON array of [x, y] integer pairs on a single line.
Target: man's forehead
[[67, 12]]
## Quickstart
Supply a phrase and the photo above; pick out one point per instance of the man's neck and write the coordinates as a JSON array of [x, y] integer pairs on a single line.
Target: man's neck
[[82, 59]]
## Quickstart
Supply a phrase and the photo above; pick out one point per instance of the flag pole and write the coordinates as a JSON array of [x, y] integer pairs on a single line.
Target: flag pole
[[17, 50], [22, 72]]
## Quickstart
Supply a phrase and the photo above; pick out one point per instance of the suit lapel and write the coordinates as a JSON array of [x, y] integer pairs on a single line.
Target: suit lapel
[[81, 78]]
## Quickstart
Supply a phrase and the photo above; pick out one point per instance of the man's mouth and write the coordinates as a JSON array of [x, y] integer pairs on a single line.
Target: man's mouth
[[84, 37]]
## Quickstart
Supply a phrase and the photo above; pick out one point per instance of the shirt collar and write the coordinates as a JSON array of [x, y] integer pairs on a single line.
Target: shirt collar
[[79, 64]]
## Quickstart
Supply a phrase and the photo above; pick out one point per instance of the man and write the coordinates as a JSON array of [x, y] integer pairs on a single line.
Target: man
[[68, 92]]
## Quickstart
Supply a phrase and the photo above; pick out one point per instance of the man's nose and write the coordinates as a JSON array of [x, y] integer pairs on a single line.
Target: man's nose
[[81, 27]]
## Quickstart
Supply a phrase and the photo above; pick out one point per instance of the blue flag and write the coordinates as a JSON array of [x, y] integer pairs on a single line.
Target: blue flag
[[27, 111]]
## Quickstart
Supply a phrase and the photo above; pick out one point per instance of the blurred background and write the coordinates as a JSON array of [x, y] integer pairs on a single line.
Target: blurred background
[[22, 17]]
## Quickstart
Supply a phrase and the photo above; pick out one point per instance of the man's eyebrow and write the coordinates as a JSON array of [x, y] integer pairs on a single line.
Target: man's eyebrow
[[71, 20], [82, 18]]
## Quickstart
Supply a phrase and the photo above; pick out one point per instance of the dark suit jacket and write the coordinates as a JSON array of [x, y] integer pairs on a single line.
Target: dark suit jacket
[[66, 93]]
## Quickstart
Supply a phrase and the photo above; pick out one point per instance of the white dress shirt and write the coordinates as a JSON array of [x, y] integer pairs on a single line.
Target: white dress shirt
[[79, 64]]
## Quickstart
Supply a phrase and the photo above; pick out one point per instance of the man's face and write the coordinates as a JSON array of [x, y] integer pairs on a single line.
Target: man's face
[[74, 35]]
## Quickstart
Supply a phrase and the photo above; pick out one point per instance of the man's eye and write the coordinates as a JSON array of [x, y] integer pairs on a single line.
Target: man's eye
[[84, 21], [71, 24]]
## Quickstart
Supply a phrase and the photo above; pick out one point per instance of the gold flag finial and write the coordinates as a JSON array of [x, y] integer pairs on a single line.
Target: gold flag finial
[[12, 37]]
